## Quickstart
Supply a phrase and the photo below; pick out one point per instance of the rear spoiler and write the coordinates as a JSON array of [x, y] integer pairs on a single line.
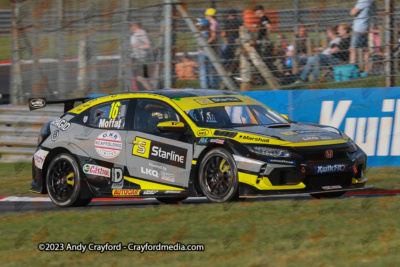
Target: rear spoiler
[[37, 103]]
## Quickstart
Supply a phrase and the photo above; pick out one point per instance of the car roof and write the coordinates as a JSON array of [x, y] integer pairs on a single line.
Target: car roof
[[183, 93]]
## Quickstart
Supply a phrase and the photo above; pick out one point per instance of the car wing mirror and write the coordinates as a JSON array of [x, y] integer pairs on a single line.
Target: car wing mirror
[[286, 117], [171, 127]]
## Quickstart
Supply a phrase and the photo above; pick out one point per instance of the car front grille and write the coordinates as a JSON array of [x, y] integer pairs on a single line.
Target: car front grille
[[343, 179]]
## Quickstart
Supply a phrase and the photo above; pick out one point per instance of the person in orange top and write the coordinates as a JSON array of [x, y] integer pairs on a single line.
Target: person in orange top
[[185, 69]]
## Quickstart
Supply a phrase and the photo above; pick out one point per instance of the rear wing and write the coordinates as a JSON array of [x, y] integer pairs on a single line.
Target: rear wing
[[37, 103]]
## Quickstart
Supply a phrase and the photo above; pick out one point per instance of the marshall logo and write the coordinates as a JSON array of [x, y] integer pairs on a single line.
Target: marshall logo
[[329, 154]]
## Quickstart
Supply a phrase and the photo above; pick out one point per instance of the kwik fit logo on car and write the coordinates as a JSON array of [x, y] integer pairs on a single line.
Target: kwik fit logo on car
[[330, 168], [96, 170], [160, 152], [108, 144]]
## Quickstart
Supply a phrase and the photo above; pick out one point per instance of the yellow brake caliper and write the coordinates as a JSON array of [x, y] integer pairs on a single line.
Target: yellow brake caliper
[[222, 165], [70, 179]]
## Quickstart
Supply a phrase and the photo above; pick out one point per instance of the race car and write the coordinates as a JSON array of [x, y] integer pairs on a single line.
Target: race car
[[175, 144]]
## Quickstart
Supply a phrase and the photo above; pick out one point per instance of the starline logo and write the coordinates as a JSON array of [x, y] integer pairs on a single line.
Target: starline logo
[[376, 136], [96, 170]]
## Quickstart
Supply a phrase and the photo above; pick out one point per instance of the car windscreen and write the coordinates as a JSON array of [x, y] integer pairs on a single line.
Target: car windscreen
[[234, 116]]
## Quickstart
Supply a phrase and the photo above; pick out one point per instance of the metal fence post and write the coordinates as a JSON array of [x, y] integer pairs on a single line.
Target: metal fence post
[[391, 42], [125, 69], [167, 43], [61, 80], [16, 75]]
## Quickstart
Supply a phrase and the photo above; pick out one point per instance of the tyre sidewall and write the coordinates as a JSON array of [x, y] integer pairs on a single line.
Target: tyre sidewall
[[76, 193], [233, 191]]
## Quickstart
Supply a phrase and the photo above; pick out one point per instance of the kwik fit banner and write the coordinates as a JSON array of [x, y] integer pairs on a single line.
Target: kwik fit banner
[[370, 116]]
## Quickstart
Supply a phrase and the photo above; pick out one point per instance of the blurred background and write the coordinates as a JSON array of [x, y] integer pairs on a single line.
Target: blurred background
[[73, 48]]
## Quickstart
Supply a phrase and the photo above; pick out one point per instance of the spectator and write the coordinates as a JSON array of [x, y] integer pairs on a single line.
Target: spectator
[[140, 44], [301, 39], [231, 33], [213, 41], [205, 64], [362, 14], [337, 54], [264, 45], [185, 70]]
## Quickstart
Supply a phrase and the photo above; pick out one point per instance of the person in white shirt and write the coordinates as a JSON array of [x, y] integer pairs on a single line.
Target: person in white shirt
[[140, 44], [335, 39]]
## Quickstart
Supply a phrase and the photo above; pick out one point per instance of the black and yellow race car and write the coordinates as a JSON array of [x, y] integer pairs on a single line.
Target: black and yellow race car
[[174, 144]]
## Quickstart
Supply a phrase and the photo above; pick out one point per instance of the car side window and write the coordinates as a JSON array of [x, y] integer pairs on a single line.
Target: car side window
[[149, 113], [110, 115]]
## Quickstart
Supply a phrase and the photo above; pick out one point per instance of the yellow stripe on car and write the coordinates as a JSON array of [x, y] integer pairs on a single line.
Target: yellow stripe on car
[[264, 183], [151, 185]]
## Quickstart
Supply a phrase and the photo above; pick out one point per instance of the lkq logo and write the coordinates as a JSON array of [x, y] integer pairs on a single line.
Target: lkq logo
[[376, 136], [149, 172]]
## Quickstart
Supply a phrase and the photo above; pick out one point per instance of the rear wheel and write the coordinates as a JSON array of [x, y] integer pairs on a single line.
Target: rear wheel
[[218, 176], [171, 200], [328, 195], [63, 182]]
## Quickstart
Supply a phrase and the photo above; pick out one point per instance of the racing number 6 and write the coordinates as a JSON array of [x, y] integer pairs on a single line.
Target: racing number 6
[[114, 110]]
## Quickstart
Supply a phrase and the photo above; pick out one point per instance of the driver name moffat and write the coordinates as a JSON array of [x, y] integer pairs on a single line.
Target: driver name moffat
[[257, 139]]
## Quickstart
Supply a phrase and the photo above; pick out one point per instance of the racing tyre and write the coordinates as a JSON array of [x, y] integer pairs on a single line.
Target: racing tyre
[[171, 200], [63, 182], [218, 176], [328, 195]]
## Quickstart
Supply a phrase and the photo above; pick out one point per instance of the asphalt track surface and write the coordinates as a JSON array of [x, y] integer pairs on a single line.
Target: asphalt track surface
[[43, 204]]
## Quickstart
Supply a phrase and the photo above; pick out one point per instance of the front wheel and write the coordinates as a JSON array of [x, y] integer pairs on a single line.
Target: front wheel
[[63, 182], [328, 195], [218, 176]]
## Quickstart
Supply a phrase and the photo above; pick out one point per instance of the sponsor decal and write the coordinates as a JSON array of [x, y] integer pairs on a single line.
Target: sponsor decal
[[310, 138], [224, 99], [150, 192], [54, 135], [204, 101], [172, 192], [108, 144], [117, 178], [96, 170], [203, 132], [257, 139], [40, 157], [329, 154], [170, 177], [125, 192], [110, 123], [160, 152], [61, 124], [149, 172], [325, 137], [282, 161], [330, 168], [85, 118], [203, 141], [35, 103], [288, 133], [218, 141], [330, 187]]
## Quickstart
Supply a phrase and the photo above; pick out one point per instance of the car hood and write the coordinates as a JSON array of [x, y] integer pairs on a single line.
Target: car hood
[[294, 132]]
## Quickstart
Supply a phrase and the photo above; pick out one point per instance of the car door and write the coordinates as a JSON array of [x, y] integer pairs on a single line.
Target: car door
[[100, 138], [160, 158]]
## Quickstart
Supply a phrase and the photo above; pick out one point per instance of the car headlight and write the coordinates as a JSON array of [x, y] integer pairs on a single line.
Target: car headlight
[[352, 146], [269, 151]]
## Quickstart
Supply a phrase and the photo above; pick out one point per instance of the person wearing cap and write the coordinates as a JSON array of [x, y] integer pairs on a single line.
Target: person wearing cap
[[213, 41], [231, 33]]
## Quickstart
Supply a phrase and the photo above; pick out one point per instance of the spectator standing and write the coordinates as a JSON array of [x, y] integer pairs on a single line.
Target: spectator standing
[[337, 54], [264, 45], [140, 44], [362, 14], [204, 63], [185, 70], [231, 33], [213, 41]]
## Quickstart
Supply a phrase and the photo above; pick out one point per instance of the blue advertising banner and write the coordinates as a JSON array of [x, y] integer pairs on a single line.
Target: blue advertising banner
[[370, 116]]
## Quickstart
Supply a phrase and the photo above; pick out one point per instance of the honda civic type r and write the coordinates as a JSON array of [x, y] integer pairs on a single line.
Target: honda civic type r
[[174, 144]]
